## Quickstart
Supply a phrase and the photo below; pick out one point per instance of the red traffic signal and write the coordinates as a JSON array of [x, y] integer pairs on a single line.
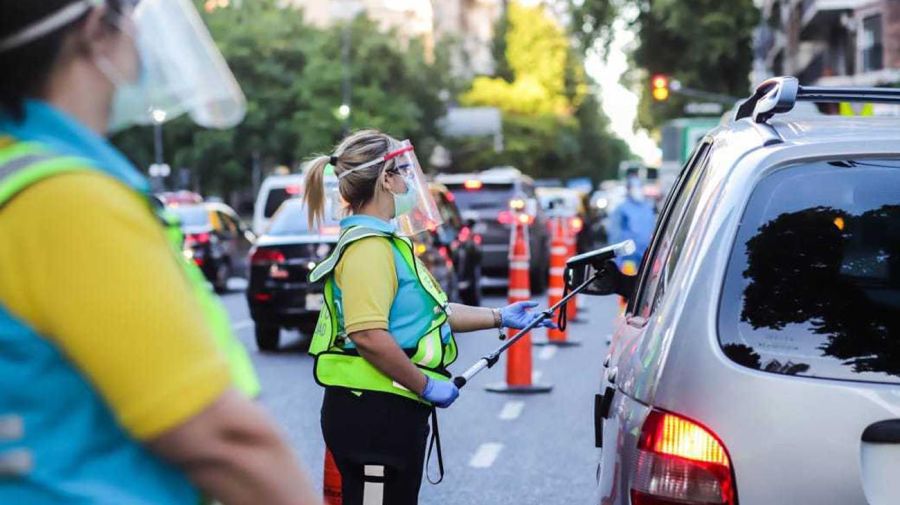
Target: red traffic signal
[[659, 87]]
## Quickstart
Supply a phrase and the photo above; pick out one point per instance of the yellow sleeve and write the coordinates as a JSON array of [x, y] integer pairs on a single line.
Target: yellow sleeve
[[367, 278], [84, 263]]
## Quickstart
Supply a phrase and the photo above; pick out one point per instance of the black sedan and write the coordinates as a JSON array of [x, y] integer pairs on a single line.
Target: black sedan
[[279, 294], [216, 240]]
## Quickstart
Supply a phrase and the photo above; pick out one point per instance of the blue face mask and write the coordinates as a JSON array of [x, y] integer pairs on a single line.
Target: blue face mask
[[405, 202]]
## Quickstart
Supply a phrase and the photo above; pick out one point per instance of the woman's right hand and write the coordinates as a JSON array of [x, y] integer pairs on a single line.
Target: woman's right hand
[[440, 393]]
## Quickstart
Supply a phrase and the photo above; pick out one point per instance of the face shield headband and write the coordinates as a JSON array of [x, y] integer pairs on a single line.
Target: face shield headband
[[48, 24], [389, 156]]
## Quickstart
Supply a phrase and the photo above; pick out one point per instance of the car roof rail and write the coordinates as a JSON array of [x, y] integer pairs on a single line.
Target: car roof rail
[[779, 94]]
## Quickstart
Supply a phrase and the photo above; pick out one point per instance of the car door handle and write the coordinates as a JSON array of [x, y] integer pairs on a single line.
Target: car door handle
[[883, 432]]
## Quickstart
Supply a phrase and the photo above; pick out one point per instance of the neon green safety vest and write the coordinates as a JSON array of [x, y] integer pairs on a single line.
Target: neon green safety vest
[[27, 163], [337, 366]]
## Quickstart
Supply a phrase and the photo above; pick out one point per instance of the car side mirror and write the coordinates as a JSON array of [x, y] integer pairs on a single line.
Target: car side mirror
[[591, 272]]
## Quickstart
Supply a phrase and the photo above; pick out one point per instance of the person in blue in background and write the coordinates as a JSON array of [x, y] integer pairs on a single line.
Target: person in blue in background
[[633, 220]]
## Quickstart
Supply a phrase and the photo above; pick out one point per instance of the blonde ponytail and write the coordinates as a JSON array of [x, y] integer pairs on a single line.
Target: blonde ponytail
[[314, 191]]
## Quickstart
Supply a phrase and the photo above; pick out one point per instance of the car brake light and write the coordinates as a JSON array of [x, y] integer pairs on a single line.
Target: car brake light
[[477, 239], [505, 217], [450, 197], [526, 219], [464, 233], [262, 297], [266, 257], [196, 238], [292, 190], [577, 224], [680, 462], [473, 184]]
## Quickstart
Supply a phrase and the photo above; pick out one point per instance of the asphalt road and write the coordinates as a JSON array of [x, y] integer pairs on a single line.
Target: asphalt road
[[498, 448]]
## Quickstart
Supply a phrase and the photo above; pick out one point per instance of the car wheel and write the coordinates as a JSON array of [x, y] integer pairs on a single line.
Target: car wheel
[[472, 294], [223, 273], [267, 337]]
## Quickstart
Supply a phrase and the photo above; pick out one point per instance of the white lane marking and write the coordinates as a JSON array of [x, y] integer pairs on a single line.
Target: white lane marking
[[536, 376], [485, 455], [511, 410], [547, 352], [242, 325]]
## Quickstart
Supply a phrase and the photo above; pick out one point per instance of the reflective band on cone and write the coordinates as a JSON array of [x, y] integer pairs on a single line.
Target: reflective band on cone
[[331, 487]]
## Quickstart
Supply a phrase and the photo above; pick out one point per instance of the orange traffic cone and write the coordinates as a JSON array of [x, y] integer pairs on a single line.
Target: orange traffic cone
[[571, 243], [331, 487], [518, 357], [559, 253]]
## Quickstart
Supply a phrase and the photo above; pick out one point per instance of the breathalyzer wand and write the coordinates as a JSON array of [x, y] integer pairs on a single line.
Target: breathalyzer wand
[[593, 260]]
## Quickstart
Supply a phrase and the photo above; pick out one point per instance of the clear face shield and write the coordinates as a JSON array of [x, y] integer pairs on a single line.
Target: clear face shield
[[415, 208], [181, 70]]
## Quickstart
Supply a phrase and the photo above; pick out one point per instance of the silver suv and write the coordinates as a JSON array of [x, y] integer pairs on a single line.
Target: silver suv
[[758, 360]]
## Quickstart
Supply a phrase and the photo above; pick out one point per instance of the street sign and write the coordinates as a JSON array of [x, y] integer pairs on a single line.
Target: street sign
[[703, 108]]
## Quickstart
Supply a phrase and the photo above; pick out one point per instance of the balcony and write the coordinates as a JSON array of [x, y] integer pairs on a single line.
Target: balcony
[[818, 13]]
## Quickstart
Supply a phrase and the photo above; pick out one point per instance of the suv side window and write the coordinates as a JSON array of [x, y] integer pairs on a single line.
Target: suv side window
[[656, 263]]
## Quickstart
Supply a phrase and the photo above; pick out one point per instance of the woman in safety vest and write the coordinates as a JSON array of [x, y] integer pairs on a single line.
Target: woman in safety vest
[[122, 380], [385, 334]]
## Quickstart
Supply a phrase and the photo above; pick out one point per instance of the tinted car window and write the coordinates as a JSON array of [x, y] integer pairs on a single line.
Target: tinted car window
[[487, 197], [660, 261], [291, 220], [192, 216], [813, 283], [275, 198]]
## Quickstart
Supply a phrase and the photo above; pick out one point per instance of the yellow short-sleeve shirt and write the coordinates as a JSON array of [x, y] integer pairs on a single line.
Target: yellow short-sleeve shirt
[[85, 264], [367, 278]]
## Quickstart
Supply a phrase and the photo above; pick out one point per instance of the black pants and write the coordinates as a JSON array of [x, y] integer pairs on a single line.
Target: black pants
[[378, 442]]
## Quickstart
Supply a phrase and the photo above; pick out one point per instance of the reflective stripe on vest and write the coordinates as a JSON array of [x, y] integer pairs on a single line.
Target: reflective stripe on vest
[[26, 163], [337, 366]]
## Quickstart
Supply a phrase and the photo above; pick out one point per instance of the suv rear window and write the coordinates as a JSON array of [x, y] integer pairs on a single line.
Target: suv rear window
[[292, 219], [486, 197], [275, 198], [813, 283]]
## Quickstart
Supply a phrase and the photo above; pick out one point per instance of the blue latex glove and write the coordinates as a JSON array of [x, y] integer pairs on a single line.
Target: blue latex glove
[[516, 316], [440, 393]]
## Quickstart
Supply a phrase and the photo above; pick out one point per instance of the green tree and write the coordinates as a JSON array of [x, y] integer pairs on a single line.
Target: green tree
[[552, 126], [704, 44], [291, 74]]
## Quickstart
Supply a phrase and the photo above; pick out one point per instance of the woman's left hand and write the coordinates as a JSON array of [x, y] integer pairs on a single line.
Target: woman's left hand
[[516, 316]]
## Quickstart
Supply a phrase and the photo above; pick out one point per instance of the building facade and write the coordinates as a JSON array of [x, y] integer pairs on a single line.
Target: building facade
[[829, 42]]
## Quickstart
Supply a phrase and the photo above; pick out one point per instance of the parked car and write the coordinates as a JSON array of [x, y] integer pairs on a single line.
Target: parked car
[[461, 244], [758, 362], [274, 190], [216, 240], [278, 294], [491, 199]]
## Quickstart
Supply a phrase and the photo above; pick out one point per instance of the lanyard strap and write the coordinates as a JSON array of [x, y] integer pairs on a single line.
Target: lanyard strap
[[435, 442]]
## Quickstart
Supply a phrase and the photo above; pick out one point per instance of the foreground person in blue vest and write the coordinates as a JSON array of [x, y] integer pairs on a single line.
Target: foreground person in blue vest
[[122, 381], [384, 338]]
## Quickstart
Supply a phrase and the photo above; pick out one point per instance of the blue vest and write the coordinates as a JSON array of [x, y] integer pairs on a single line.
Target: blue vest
[[59, 441]]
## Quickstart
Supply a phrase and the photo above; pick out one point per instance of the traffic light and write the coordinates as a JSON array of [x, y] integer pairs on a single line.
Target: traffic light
[[659, 87]]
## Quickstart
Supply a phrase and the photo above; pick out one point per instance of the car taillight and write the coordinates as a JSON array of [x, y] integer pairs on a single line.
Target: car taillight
[[464, 233], [477, 239], [680, 463], [293, 189], [193, 239], [473, 184], [505, 217], [266, 257], [577, 224], [526, 219]]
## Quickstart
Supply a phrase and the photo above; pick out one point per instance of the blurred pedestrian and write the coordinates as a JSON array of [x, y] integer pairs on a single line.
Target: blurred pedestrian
[[122, 381], [385, 335], [633, 219]]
